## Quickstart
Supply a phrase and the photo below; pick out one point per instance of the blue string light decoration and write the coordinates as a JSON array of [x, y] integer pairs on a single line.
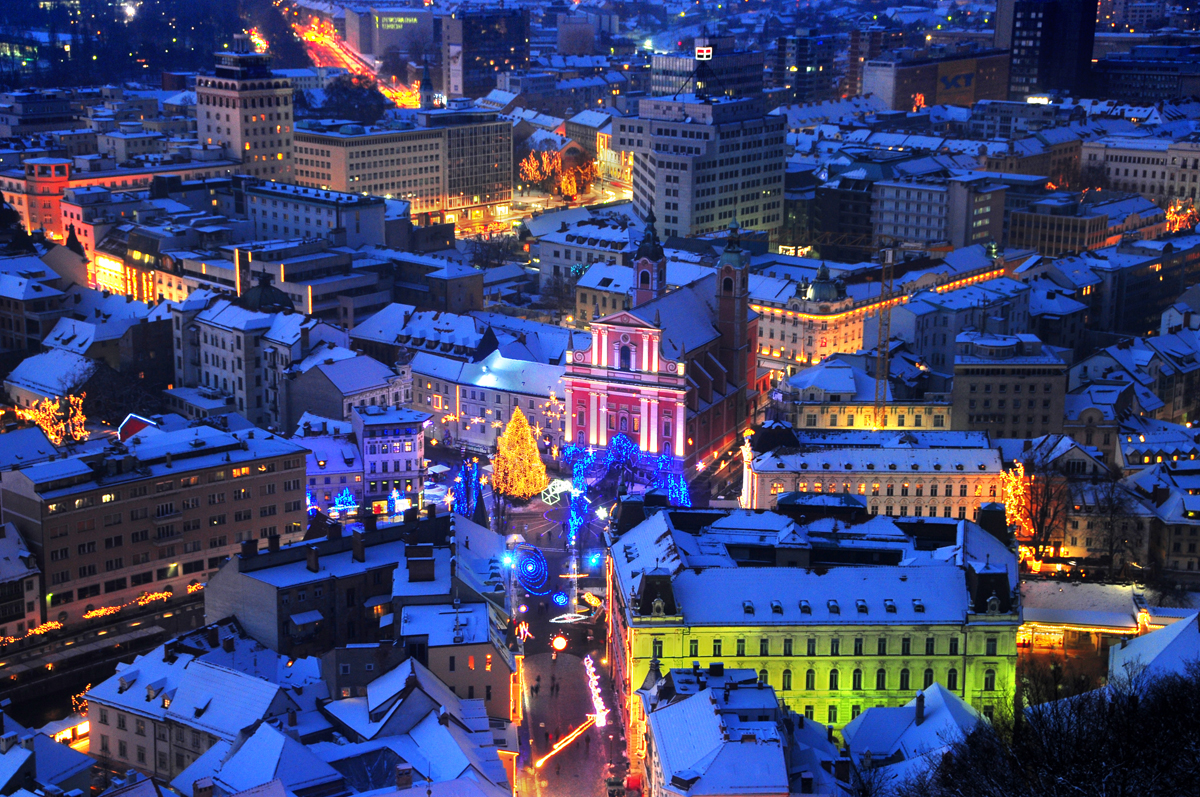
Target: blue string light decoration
[[580, 460], [532, 570], [465, 488], [623, 453], [671, 482], [345, 500], [311, 503], [559, 598]]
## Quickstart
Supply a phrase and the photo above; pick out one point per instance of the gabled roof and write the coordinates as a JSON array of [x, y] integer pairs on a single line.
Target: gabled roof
[[53, 373], [894, 738], [265, 755]]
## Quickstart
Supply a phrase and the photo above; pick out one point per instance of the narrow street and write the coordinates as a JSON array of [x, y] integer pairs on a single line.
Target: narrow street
[[580, 768]]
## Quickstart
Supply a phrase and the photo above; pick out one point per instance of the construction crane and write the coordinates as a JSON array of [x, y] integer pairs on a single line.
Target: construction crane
[[887, 269]]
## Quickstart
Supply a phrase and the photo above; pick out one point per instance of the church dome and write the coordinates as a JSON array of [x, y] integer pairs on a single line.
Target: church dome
[[265, 297], [823, 288]]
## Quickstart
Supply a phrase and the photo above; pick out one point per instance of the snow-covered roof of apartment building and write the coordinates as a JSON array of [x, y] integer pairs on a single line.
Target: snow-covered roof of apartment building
[[903, 741], [51, 374]]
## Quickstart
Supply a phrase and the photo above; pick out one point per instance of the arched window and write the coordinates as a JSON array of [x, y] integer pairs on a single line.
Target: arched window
[[856, 680], [785, 682], [833, 680], [762, 676], [624, 423], [928, 679], [989, 680], [625, 358], [727, 285], [952, 679], [644, 279], [904, 680], [881, 679], [810, 680]]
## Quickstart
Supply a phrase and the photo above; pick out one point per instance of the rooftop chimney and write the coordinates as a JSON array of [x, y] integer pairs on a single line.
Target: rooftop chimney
[[273, 542], [227, 644], [314, 559], [404, 779], [920, 707], [202, 787], [335, 531], [214, 637], [420, 570], [292, 717], [249, 548], [359, 544]]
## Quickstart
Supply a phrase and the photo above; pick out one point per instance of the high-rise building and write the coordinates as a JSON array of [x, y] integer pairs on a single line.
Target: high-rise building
[[804, 64], [702, 161], [732, 72], [864, 46], [960, 74], [247, 109], [480, 43], [1051, 43], [454, 163]]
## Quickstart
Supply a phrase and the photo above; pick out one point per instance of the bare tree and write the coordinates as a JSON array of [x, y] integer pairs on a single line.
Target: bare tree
[[1118, 530], [1046, 499], [1137, 737], [491, 251]]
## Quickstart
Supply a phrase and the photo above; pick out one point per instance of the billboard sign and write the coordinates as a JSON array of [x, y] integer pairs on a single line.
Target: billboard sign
[[704, 53]]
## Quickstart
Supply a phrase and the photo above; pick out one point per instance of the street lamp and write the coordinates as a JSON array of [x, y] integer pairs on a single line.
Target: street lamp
[[610, 750]]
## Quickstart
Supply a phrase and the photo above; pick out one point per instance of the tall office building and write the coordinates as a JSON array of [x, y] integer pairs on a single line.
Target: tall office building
[[1051, 43], [701, 161], [453, 164], [866, 45], [732, 72], [246, 108], [804, 63], [480, 43]]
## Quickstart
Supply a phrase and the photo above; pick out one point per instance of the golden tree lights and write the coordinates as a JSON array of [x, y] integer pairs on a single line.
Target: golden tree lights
[[57, 421], [1016, 500], [518, 471]]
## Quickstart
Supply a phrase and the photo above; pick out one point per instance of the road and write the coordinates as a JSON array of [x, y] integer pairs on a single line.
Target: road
[[326, 48], [579, 768]]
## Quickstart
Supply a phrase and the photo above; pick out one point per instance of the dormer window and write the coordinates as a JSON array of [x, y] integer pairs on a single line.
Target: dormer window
[[833, 607], [776, 607], [748, 607], [862, 606], [889, 605], [805, 608], [918, 606]]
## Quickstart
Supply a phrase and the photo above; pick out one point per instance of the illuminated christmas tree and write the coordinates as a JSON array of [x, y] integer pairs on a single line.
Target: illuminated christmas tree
[[518, 469]]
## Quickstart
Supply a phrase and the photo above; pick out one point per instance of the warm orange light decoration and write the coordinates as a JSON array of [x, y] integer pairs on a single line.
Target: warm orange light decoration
[[76, 418], [563, 742], [530, 169], [1182, 215], [79, 704], [145, 599], [192, 588], [41, 629], [257, 39], [1016, 500], [918, 100]]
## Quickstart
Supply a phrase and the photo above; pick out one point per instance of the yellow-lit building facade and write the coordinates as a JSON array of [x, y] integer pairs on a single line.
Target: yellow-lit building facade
[[831, 645], [824, 318], [895, 482]]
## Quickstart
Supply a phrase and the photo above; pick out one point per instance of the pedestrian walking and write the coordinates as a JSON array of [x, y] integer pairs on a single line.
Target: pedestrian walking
[[547, 739]]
